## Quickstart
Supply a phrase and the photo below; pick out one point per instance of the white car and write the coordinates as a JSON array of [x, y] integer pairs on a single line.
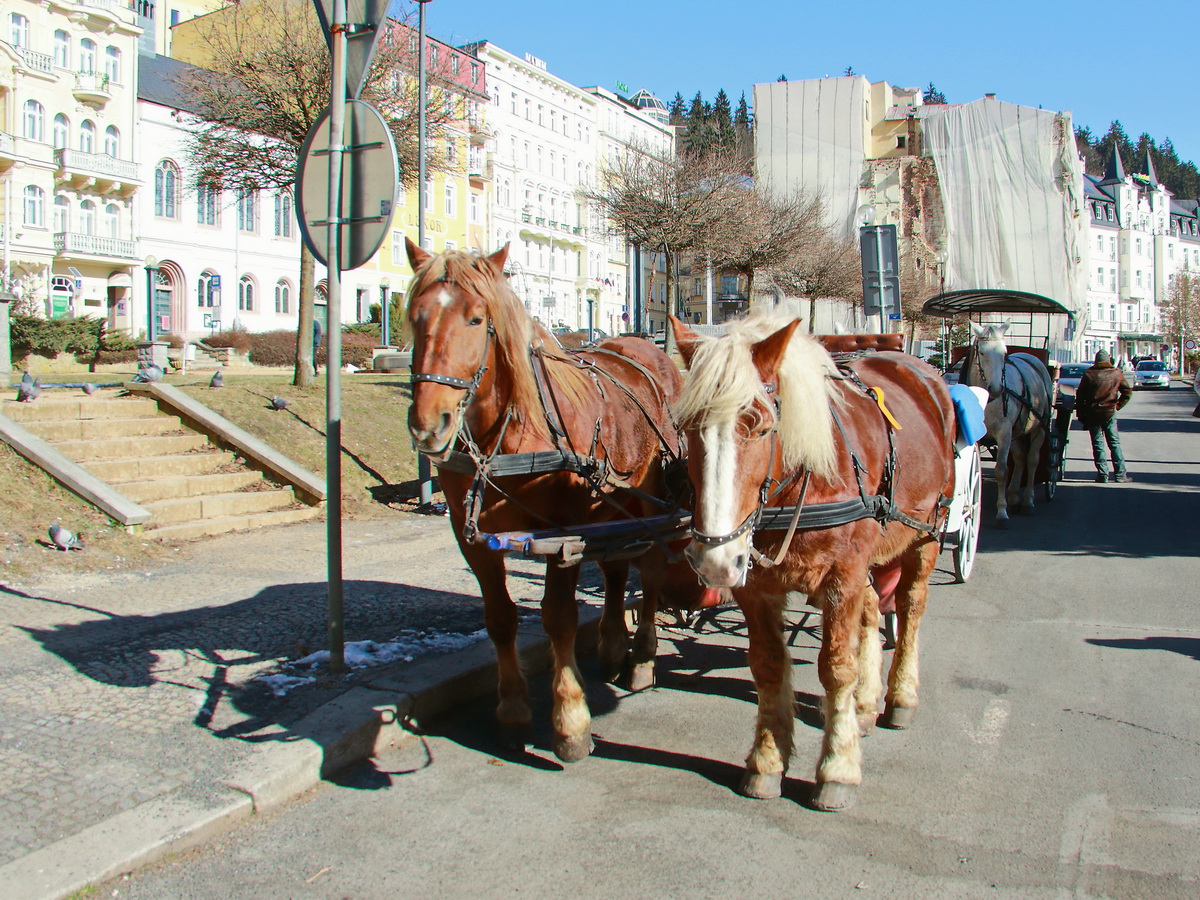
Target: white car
[[1151, 373]]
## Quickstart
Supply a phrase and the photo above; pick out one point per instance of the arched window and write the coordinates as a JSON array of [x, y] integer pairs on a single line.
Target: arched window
[[112, 141], [62, 214], [247, 215], [18, 30], [283, 297], [166, 189], [283, 214], [87, 217], [112, 220], [87, 136], [87, 55], [246, 294], [35, 206], [60, 132], [206, 204], [62, 49], [206, 291], [34, 121]]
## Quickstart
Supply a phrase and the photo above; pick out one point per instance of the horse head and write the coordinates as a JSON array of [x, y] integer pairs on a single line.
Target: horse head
[[453, 327], [988, 352], [729, 411]]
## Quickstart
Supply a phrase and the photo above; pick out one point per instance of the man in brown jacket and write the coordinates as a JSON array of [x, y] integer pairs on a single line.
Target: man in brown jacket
[[1102, 391]]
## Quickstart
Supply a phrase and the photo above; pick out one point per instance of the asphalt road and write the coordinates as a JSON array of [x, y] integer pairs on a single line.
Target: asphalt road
[[1055, 754]]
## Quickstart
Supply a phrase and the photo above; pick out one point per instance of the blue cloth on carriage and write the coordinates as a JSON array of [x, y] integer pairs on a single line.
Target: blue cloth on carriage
[[968, 411]]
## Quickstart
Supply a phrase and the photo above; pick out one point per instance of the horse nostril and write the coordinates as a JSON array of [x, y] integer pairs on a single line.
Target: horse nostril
[[739, 562], [447, 420]]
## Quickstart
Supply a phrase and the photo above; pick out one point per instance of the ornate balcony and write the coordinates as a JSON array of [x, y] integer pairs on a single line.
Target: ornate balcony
[[39, 62], [70, 244], [95, 169], [92, 88]]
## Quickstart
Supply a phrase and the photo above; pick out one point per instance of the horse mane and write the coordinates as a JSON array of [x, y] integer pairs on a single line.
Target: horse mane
[[722, 382], [516, 333]]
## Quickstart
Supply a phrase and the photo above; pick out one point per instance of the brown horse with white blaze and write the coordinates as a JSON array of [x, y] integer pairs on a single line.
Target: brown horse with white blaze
[[493, 393], [861, 449]]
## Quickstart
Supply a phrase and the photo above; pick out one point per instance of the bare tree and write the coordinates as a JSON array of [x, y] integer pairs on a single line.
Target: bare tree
[[264, 82], [1181, 312], [824, 267]]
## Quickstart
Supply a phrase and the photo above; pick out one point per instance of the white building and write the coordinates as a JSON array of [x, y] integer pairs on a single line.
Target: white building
[[1139, 239], [218, 257], [548, 139]]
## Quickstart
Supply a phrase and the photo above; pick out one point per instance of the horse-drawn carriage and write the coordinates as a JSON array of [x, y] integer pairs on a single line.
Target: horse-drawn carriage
[[821, 473], [1027, 417]]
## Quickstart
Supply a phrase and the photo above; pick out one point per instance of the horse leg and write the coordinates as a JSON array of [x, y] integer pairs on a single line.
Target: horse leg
[[1003, 448], [613, 632], [870, 662], [500, 616], [839, 771], [900, 703], [771, 668], [1033, 452], [569, 714], [652, 569]]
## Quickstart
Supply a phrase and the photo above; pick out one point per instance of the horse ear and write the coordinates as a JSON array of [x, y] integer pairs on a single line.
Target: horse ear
[[685, 339], [768, 353], [976, 328], [1003, 326], [416, 256], [496, 261]]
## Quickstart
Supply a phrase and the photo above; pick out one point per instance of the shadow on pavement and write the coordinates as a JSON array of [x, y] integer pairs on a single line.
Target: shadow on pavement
[[1184, 646]]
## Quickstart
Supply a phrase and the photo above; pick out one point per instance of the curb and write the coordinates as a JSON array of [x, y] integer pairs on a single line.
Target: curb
[[357, 725]]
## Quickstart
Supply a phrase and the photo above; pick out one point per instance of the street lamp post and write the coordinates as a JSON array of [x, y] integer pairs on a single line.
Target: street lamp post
[[151, 270], [385, 318], [942, 258], [591, 306], [424, 475]]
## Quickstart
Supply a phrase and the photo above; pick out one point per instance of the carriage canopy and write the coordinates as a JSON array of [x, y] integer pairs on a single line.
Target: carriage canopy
[[991, 300]]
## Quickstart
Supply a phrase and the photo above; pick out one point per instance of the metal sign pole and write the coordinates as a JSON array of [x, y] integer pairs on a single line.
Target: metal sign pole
[[424, 475], [333, 366]]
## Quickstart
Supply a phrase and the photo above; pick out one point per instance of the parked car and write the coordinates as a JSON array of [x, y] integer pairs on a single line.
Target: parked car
[[1069, 375], [1152, 373]]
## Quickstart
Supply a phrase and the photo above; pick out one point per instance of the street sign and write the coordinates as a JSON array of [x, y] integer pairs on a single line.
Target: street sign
[[1189, 344], [364, 18], [370, 178], [880, 268], [893, 317]]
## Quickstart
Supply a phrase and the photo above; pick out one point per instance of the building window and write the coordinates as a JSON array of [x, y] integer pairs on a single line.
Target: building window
[[18, 30], [283, 215], [427, 195], [452, 152], [112, 141], [246, 213], [246, 294], [473, 208], [35, 206], [87, 217], [475, 73], [60, 132], [1139, 278], [433, 56], [62, 212], [451, 199], [62, 49], [205, 290], [398, 255], [87, 55], [206, 204], [87, 136], [166, 190], [33, 121], [112, 64], [112, 221], [283, 295], [454, 64]]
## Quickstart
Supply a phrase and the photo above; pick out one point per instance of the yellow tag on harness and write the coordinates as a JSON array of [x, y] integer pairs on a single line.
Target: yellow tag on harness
[[887, 413]]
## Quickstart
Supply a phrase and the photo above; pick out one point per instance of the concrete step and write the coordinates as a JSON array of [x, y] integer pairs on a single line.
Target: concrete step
[[51, 408], [104, 429], [191, 530], [180, 486], [216, 506], [124, 448], [145, 468]]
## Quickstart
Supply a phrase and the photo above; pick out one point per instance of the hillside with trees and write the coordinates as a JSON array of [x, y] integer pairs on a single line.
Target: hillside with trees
[[1180, 177]]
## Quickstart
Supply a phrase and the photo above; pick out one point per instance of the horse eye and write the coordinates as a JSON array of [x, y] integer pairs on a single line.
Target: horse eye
[[476, 320]]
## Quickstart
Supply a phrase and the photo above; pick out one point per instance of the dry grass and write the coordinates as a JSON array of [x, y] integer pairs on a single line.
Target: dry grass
[[378, 467]]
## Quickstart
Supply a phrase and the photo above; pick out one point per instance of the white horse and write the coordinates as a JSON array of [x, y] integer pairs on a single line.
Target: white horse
[[1018, 410]]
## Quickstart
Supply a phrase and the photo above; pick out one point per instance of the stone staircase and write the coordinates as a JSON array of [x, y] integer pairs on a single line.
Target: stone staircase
[[191, 487]]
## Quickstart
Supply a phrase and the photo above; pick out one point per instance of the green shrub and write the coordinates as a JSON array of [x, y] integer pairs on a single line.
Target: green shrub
[[50, 337], [278, 348], [241, 341]]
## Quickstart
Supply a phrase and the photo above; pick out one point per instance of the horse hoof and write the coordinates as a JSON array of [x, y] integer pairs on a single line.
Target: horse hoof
[[866, 723], [833, 796], [573, 749], [515, 735], [641, 677], [1002, 524], [611, 672], [898, 717], [760, 786]]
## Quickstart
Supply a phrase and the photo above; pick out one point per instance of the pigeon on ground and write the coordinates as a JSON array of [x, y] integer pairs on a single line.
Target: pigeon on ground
[[279, 403], [148, 374], [26, 378], [218, 380], [89, 388], [63, 539], [27, 392]]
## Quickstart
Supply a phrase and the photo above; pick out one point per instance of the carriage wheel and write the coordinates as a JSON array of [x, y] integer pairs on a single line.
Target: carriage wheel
[[1054, 470], [968, 535]]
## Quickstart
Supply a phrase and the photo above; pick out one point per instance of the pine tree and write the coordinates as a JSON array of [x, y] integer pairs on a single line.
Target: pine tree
[[722, 120], [678, 110], [933, 95]]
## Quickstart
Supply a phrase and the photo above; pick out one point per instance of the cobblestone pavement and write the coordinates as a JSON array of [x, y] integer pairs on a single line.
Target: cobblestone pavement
[[118, 689]]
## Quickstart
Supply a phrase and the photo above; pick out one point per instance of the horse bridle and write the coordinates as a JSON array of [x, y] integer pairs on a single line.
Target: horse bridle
[[469, 385]]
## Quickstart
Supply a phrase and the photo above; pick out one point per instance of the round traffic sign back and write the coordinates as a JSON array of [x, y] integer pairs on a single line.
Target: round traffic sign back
[[1189, 344]]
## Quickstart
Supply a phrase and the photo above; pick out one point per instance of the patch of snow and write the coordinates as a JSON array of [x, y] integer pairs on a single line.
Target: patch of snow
[[405, 648], [281, 684]]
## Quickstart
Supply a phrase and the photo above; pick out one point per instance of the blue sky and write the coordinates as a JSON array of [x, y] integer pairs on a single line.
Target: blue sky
[[1102, 60]]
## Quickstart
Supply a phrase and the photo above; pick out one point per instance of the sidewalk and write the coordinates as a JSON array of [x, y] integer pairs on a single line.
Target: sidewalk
[[131, 721]]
